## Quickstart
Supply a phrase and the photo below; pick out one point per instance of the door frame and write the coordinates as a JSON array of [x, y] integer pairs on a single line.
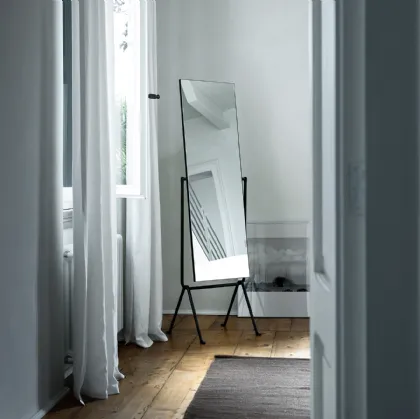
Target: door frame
[[351, 311], [350, 259]]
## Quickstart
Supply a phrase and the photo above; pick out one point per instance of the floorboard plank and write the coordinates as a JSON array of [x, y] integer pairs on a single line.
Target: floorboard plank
[[167, 319], [218, 342], [251, 345], [291, 345], [275, 325], [234, 323], [172, 395], [300, 325], [188, 323]]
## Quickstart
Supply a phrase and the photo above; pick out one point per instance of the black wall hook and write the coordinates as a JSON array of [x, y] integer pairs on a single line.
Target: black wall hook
[[153, 96]]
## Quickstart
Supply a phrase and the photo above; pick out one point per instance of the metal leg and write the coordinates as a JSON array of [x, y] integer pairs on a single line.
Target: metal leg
[[250, 308], [231, 305], [195, 317], [176, 312]]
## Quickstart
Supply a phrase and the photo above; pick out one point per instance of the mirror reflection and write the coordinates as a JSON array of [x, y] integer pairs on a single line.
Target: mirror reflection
[[216, 206]]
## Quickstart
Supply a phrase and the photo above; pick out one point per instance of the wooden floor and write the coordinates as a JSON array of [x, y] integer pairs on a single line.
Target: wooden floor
[[161, 381]]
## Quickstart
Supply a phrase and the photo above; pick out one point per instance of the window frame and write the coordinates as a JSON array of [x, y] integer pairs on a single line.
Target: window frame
[[137, 160]]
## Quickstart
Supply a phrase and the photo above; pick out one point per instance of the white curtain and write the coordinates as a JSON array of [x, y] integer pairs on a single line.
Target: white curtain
[[95, 369], [143, 282]]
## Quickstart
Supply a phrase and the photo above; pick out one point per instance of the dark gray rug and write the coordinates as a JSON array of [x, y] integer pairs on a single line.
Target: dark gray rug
[[237, 387]]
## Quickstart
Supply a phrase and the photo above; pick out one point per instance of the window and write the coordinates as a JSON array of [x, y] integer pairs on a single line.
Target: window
[[67, 143], [130, 98], [130, 147]]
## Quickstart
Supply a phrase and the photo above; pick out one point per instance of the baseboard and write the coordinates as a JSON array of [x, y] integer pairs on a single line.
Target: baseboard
[[202, 312], [50, 404]]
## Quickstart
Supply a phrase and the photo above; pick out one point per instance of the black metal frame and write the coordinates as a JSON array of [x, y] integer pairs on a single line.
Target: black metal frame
[[189, 288]]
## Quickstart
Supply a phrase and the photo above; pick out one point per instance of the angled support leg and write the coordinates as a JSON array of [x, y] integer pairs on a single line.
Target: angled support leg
[[176, 312], [231, 305], [195, 316], [257, 333]]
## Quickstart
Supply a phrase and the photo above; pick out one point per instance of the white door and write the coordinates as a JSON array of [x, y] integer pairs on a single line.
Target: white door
[[324, 244]]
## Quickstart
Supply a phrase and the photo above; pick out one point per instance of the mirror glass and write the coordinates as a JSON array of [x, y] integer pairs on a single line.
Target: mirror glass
[[215, 189]]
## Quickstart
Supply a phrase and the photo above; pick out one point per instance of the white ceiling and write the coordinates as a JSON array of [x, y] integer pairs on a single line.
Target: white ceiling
[[189, 112], [221, 94]]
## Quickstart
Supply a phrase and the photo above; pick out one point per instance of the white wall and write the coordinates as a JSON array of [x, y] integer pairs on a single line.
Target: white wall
[[262, 46], [31, 340]]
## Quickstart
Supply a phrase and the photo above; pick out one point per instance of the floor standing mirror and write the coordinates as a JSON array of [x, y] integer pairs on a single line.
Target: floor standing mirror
[[216, 193]]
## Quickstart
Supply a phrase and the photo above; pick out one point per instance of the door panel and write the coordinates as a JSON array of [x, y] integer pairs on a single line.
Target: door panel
[[323, 280]]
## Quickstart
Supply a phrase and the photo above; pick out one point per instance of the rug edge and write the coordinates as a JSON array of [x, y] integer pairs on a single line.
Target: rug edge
[[257, 357]]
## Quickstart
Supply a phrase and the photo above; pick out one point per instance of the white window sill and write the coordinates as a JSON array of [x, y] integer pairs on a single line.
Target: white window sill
[[123, 191]]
